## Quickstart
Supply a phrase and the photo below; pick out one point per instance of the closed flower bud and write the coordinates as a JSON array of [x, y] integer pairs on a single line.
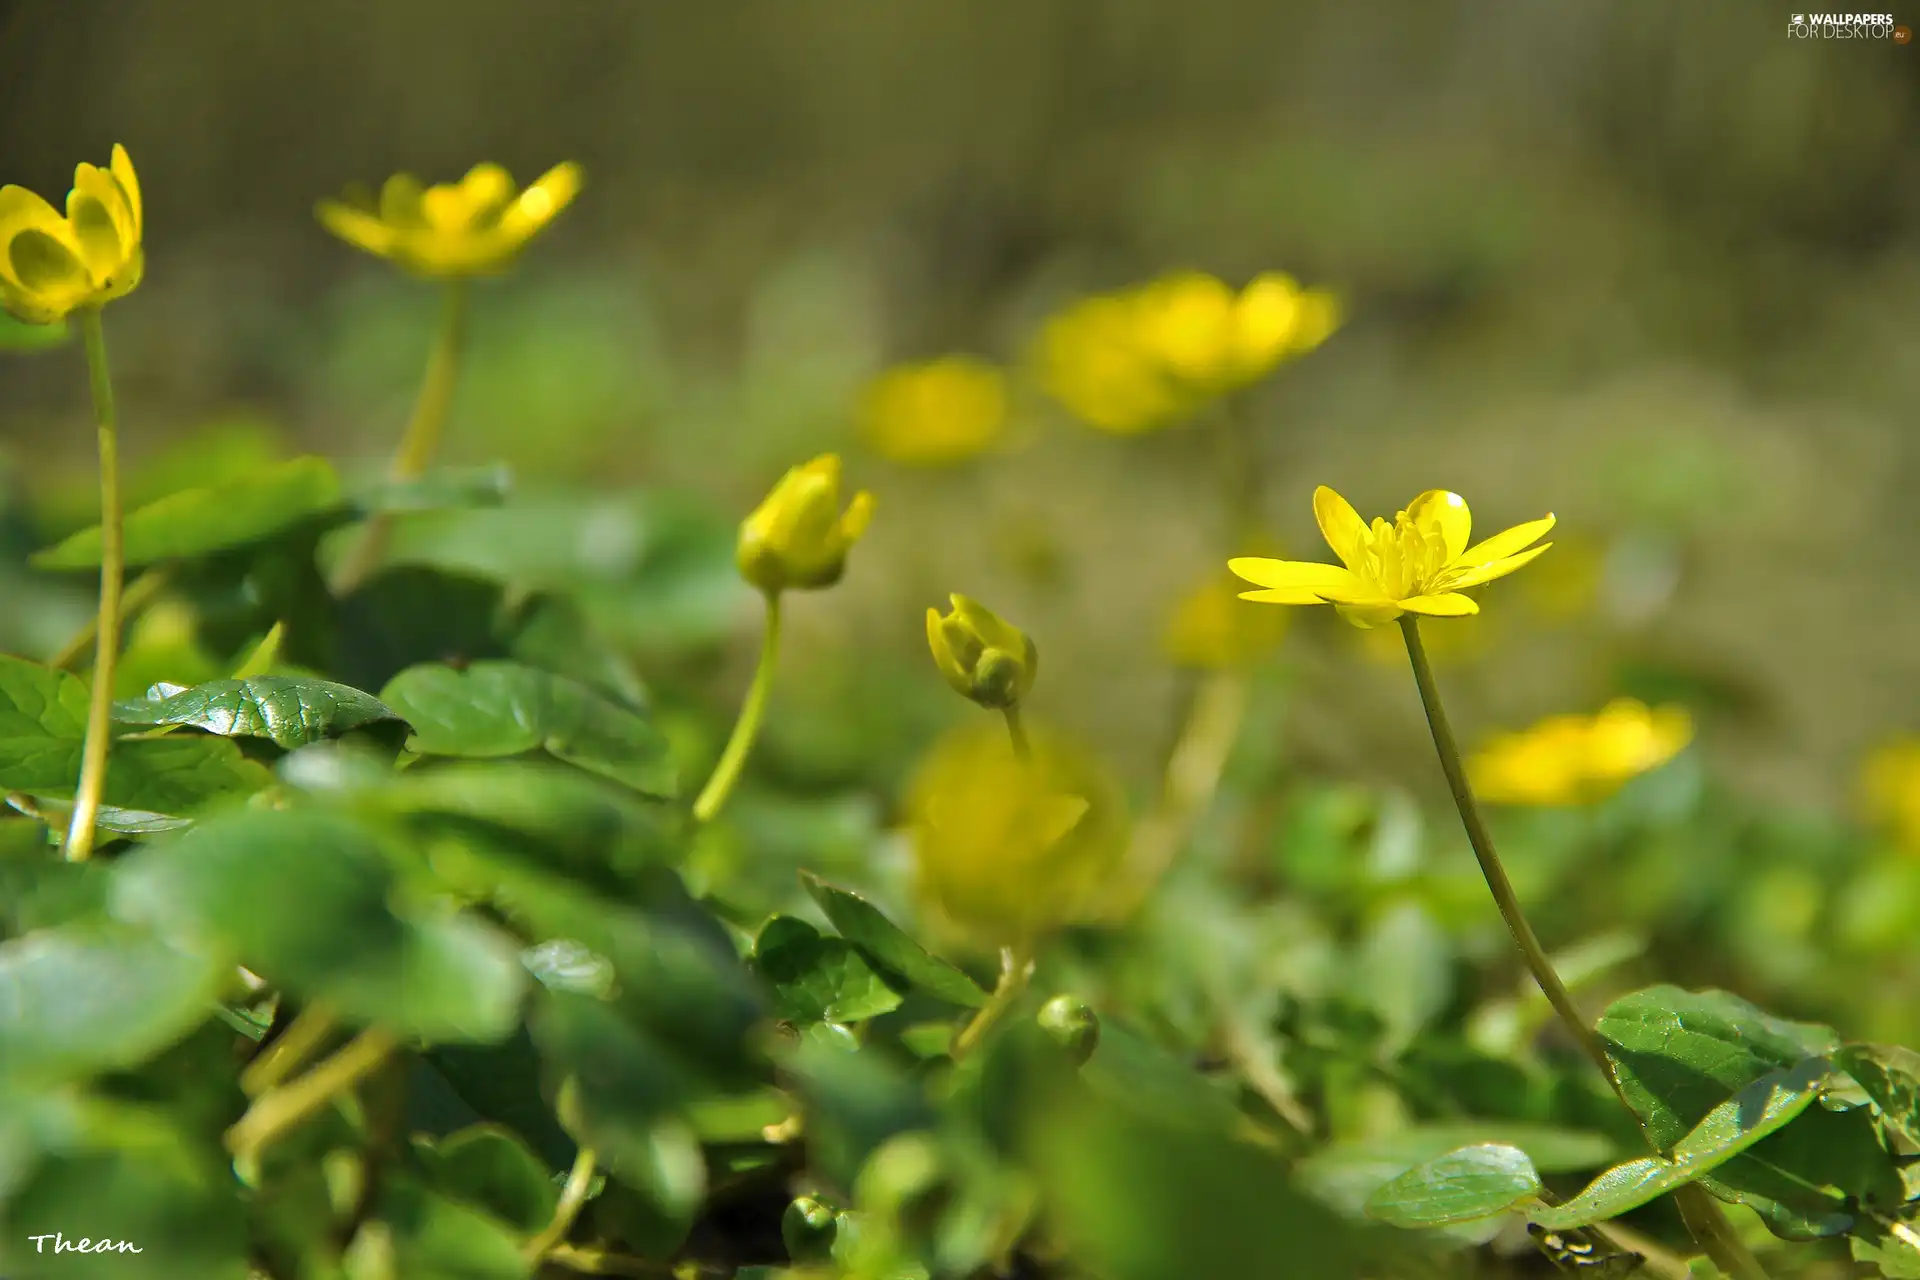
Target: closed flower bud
[[808, 1228], [983, 656], [798, 537], [1072, 1025]]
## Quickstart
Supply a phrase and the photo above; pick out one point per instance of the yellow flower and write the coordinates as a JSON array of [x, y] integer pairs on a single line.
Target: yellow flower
[[1006, 848], [50, 264], [937, 413], [1158, 353], [1890, 790], [984, 657], [1420, 563], [798, 536], [1574, 759], [470, 227], [1211, 631]]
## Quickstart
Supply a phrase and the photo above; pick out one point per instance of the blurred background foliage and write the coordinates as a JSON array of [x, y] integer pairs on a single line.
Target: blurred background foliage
[[1655, 268]]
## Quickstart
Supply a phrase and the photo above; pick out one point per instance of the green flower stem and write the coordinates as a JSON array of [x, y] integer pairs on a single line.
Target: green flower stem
[[1703, 1216], [290, 1105], [302, 1038], [106, 647], [1016, 967], [599, 1262], [734, 758], [573, 1197], [1017, 731], [138, 595], [420, 443]]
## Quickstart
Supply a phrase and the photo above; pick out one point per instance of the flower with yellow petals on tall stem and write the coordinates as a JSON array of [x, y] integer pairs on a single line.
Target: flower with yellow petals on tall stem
[[53, 266], [938, 413], [451, 232], [1420, 564]]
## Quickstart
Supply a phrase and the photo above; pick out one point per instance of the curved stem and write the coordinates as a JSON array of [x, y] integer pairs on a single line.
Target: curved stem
[[421, 441], [93, 755], [1704, 1219], [573, 1197], [1016, 966], [1017, 731], [745, 729], [290, 1105], [302, 1038]]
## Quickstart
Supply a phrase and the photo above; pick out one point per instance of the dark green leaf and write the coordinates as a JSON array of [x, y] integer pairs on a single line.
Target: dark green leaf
[[1889, 1244], [889, 947], [1460, 1186], [169, 776], [500, 1083], [290, 710], [1345, 1174], [818, 979], [446, 488], [489, 1168], [198, 522], [435, 1235], [1891, 1076], [615, 1082], [502, 708], [79, 1000]]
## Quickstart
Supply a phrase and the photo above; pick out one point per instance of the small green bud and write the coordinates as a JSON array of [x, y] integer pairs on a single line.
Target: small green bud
[[1072, 1025], [982, 656], [808, 1227]]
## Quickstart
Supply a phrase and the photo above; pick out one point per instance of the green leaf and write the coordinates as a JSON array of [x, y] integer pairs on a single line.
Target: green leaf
[[490, 1168], [79, 1000], [889, 947], [304, 899], [1761, 1108], [1346, 1173], [615, 1082], [1890, 1245], [37, 701], [435, 1235], [198, 522], [500, 1083], [816, 978], [290, 710], [1891, 1076], [1460, 1186], [447, 488], [168, 776], [502, 708]]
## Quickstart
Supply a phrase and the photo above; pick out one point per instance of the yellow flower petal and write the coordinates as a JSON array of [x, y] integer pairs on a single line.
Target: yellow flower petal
[[538, 205], [1442, 606], [102, 227], [121, 166], [1505, 543], [1340, 525], [1306, 578], [358, 228], [1444, 512], [400, 201], [1473, 577]]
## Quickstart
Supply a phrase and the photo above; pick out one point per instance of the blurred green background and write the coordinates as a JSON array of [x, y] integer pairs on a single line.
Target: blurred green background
[[1652, 267]]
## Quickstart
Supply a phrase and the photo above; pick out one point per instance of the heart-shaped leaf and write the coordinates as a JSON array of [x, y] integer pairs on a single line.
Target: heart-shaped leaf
[[164, 776], [889, 946], [816, 978], [290, 710], [1460, 1186]]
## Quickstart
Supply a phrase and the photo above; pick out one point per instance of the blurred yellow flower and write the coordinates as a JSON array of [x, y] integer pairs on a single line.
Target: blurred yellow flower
[[1890, 790], [1418, 564], [984, 657], [471, 227], [1209, 629], [936, 413], [798, 536], [52, 264], [1574, 759], [1007, 848], [1156, 354]]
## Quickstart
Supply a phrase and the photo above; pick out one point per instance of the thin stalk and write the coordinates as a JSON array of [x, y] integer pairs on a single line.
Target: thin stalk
[[93, 755], [300, 1041], [1703, 1216], [1016, 966], [420, 443], [287, 1107], [138, 595], [573, 1197], [1017, 732], [745, 729]]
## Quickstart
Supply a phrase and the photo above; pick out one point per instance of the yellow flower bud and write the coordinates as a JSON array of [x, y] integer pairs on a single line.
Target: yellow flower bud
[[471, 227], [798, 537], [51, 265], [935, 414], [1008, 848], [983, 656]]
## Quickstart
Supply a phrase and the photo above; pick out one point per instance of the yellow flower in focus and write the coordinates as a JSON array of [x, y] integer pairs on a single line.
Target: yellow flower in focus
[[1419, 564], [1890, 790], [1156, 354], [1210, 629], [937, 413], [471, 227], [798, 536], [52, 264], [1576, 759], [984, 657], [1007, 849]]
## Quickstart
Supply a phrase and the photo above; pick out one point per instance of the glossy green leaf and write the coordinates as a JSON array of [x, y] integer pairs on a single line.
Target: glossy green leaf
[[503, 708], [1460, 1186], [889, 947], [82, 999], [1891, 1076], [199, 522], [305, 899], [490, 1168], [1346, 1173], [166, 776], [1761, 1108], [38, 701], [1888, 1244], [290, 710], [816, 978]]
